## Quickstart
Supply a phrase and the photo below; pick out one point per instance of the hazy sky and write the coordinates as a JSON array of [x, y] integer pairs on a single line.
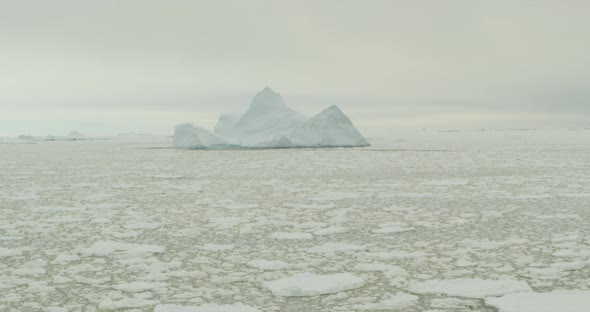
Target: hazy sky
[[103, 67]]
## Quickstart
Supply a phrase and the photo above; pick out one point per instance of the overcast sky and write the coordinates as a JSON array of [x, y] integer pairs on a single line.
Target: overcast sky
[[104, 67]]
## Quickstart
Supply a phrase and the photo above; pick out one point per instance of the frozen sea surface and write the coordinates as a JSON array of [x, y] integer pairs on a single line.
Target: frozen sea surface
[[446, 222]]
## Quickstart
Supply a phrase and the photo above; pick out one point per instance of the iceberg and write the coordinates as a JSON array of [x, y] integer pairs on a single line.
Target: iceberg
[[267, 118], [330, 128], [72, 136], [75, 135], [189, 136], [270, 123], [226, 122]]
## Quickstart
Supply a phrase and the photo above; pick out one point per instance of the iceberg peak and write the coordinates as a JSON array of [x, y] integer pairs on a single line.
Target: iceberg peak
[[266, 99], [333, 108], [332, 112], [267, 118]]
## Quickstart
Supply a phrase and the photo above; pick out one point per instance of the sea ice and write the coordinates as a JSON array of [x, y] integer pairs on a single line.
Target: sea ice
[[331, 231], [562, 301], [64, 258], [211, 307], [105, 248], [396, 254], [454, 304], [269, 265], [139, 286], [335, 247], [389, 269], [125, 303], [5, 252], [392, 229], [217, 247], [144, 241], [291, 235], [308, 284], [469, 287], [398, 301], [142, 226]]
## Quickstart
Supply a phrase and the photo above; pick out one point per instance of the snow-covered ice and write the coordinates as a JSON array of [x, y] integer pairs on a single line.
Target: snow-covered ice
[[108, 304], [308, 284], [105, 248], [217, 247], [291, 235], [335, 247], [205, 308], [5, 252], [270, 265], [562, 301], [469, 287], [388, 269], [135, 287], [395, 302]]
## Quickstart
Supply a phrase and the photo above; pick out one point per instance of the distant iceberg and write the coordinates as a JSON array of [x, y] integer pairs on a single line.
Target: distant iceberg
[[270, 123], [72, 136], [75, 135]]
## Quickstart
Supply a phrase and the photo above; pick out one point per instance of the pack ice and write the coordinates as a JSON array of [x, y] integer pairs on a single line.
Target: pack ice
[[270, 123]]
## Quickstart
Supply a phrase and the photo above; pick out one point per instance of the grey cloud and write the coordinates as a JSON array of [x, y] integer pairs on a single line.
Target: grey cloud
[[393, 58]]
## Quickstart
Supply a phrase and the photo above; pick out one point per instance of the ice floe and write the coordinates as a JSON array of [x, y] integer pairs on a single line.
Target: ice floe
[[105, 248], [210, 307], [138, 286], [388, 269], [291, 235], [308, 284], [562, 301], [469, 287], [269, 265], [125, 303], [398, 301], [336, 247], [5, 252], [217, 247]]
